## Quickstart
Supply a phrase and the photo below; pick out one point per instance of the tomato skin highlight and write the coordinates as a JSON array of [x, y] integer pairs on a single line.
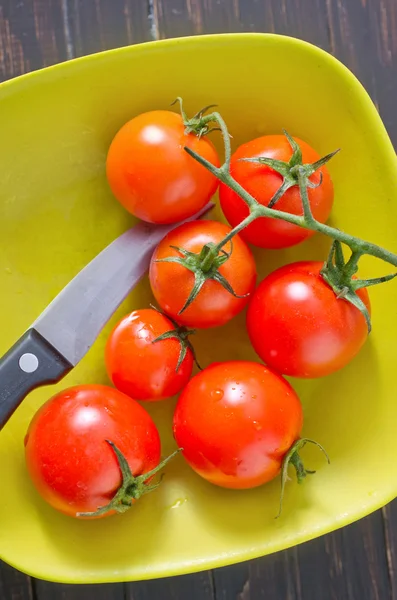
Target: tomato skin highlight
[[299, 327], [235, 422], [151, 174], [172, 283], [262, 182], [140, 367], [68, 459]]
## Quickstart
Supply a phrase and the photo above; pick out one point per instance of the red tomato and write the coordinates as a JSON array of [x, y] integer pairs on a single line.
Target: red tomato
[[299, 327], [68, 459], [150, 173], [139, 366], [235, 422], [172, 283], [262, 182]]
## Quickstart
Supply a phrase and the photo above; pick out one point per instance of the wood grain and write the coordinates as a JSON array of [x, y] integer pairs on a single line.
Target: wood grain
[[53, 591], [360, 561], [199, 586], [267, 578], [14, 585]]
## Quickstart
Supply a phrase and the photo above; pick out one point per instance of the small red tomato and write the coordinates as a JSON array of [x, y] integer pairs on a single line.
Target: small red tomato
[[236, 421], [68, 458], [262, 182], [142, 367], [172, 282], [152, 175], [299, 327]]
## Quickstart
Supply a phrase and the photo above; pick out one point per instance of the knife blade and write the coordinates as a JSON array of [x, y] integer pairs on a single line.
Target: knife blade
[[68, 327]]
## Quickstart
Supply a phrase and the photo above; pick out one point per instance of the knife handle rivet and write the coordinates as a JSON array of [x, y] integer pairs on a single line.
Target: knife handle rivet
[[28, 362]]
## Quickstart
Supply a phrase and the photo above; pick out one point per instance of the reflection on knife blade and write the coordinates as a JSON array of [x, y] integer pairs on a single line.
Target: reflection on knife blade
[[75, 317]]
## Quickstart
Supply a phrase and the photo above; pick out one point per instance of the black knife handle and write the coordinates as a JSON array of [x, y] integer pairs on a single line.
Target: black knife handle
[[31, 362]]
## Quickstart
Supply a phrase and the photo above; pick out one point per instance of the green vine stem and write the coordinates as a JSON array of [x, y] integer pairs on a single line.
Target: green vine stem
[[296, 173], [355, 243]]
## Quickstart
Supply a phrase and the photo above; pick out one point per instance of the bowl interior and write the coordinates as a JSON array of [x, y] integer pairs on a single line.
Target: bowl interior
[[57, 213]]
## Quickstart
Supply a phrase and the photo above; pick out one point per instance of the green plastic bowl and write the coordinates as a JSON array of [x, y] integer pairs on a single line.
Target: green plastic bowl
[[58, 213]]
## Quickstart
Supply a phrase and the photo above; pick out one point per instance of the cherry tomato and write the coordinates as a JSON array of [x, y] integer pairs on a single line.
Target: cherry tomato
[[262, 182], [172, 283], [68, 458], [150, 173], [236, 421], [299, 327], [141, 367]]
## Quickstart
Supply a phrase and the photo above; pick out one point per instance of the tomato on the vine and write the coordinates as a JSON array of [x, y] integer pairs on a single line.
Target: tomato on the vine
[[152, 175], [236, 421], [143, 366], [68, 455], [262, 182], [172, 283], [299, 327]]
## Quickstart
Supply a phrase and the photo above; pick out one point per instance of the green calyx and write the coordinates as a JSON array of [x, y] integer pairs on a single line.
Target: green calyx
[[199, 124], [131, 488], [205, 266], [294, 172], [293, 458], [339, 273], [181, 334]]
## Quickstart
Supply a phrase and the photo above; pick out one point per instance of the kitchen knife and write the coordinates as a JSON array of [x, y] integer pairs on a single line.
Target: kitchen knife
[[66, 330]]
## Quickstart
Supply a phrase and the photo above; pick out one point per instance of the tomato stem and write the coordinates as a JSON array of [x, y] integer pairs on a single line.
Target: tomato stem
[[251, 217], [355, 243], [131, 488], [205, 266], [181, 334], [199, 123], [296, 173], [293, 458]]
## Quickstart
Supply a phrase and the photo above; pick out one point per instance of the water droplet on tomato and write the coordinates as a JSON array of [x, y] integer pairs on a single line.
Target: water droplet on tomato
[[257, 425], [217, 394]]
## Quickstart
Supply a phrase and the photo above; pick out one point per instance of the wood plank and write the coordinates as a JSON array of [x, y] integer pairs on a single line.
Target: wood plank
[[37, 33], [30, 36], [269, 578], [198, 586], [102, 24], [383, 58], [55, 591], [349, 563], [390, 522], [14, 585]]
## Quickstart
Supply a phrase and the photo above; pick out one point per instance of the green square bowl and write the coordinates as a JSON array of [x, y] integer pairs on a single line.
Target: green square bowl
[[57, 213]]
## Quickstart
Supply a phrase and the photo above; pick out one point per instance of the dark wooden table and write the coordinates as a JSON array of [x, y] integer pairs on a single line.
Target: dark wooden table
[[358, 562]]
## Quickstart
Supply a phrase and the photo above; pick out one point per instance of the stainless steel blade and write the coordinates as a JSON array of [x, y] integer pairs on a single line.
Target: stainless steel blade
[[73, 320]]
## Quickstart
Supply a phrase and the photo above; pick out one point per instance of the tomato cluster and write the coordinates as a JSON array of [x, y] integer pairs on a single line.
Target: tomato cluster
[[93, 450]]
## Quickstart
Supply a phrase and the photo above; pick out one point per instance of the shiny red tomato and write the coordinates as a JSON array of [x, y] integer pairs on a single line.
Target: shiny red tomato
[[68, 458], [172, 283], [141, 367], [299, 327], [236, 421], [150, 173], [262, 182]]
